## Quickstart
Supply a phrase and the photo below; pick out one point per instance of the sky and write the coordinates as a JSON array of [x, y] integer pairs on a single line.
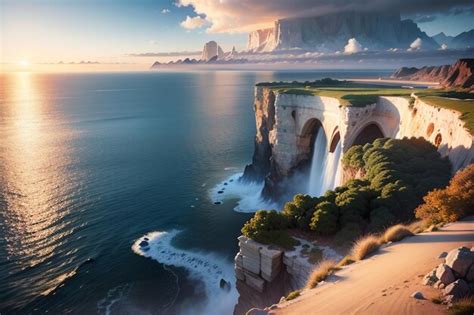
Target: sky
[[118, 31]]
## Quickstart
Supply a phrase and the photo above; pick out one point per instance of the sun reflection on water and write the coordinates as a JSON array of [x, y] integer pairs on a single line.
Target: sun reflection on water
[[34, 185]]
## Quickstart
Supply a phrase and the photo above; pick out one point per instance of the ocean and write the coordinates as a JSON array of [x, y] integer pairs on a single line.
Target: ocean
[[107, 183]]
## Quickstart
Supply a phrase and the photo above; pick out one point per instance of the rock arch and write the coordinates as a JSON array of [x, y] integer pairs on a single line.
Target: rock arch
[[368, 134], [336, 137]]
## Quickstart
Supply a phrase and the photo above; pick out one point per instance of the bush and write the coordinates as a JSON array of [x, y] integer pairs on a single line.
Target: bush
[[320, 273], [463, 306], [396, 233], [324, 219], [451, 203], [269, 227], [364, 247], [293, 295]]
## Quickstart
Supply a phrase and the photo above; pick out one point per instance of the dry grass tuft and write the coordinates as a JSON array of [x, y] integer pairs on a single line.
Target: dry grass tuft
[[418, 226], [293, 295], [365, 246], [397, 233], [464, 306], [320, 273], [347, 260]]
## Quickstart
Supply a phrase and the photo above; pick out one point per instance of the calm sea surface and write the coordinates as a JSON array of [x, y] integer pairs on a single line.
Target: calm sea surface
[[91, 163]]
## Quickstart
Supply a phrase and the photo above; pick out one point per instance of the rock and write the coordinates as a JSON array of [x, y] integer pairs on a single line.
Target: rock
[[445, 274], [143, 243], [470, 274], [217, 203], [430, 278], [460, 260], [254, 282], [439, 285], [417, 295], [443, 255], [211, 50], [224, 285], [471, 287], [458, 289]]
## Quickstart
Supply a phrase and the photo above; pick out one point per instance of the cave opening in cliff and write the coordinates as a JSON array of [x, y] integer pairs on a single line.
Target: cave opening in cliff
[[368, 134]]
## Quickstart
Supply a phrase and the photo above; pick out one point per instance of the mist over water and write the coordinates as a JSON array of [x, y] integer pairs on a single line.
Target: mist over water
[[90, 163]]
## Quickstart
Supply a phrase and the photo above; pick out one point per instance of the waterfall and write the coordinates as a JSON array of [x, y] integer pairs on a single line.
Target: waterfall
[[325, 166]]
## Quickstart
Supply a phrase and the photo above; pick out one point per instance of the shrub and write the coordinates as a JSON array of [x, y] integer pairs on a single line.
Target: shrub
[[364, 247], [269, 227], [293, 295], [451, 203], [418, 226], [396, 233], [320, 273], [324, 219], [463, 306]]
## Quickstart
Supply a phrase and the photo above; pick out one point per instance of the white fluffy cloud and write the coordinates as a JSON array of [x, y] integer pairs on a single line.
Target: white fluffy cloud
[[416, 45], [192, 23], [165, 11], [248, 15], [353, 46]]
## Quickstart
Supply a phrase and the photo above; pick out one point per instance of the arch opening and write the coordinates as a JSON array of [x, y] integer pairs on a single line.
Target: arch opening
[[430, 129], [368, 134], [438, 140], [334, 142]]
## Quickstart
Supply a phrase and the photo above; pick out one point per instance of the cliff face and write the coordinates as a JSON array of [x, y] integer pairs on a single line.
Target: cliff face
[[461, 74], [374, 30], [286, 125], [211, 50]]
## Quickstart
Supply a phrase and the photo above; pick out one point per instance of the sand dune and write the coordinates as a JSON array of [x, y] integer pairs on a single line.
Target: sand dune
[[383, 283]]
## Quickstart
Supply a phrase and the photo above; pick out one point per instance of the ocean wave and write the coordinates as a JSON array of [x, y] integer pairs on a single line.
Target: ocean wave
[[207, 268], [248, 194]]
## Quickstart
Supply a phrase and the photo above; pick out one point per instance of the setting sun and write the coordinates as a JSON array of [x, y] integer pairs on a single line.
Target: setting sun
[[24, 63]]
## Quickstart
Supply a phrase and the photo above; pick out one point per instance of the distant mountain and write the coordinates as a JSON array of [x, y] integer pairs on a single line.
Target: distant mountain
[[329, 33], [442, 38], [461, 74], [463, 40]]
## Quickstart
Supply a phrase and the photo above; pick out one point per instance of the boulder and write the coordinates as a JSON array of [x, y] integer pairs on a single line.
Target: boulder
[[470, 274], [445, 274], [418, 295], [460, 260], [224, 285], [430, 278], [443, 255], [458, 289]]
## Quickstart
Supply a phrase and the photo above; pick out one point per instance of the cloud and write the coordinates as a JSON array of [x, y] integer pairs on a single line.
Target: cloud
[[247, 15], [424, 18], [166, 54], [416, 45], [192, 23], [353, 46], [165, 11], [443, 47]]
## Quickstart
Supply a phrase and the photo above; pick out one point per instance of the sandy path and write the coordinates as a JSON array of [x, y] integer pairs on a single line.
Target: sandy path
[[383, 283]]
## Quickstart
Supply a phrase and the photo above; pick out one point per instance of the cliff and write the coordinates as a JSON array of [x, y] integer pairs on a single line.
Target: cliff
[[460, 75], [286, 124], [331, 32], [211, 51]]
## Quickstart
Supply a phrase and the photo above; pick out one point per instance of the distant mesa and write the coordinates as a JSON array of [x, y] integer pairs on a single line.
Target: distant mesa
[[331, 32], [459, 75]]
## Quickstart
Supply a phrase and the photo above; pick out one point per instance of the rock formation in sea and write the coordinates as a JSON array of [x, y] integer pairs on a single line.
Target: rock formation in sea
[[331, 32], [211, 50], [460, 75]]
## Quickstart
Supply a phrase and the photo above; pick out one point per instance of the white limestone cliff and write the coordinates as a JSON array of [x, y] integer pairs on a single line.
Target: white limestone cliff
[[211, 50]]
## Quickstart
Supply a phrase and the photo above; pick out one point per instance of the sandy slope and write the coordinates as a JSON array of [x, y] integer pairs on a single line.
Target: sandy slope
[[383, 283]]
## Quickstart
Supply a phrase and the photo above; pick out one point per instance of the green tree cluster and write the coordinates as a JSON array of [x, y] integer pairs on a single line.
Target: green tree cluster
[[398, 173]]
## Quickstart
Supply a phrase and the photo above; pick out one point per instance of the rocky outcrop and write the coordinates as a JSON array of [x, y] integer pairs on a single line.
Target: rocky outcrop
[[331, 32], [265, 273], [461, 74], [211, 50], [454, 277]]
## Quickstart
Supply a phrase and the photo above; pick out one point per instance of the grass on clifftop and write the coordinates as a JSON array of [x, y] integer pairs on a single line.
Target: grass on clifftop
[[348, 93], [459, 101]]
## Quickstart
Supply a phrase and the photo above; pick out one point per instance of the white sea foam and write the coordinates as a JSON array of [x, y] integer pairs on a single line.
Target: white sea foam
[[248, 194], [207, 268]]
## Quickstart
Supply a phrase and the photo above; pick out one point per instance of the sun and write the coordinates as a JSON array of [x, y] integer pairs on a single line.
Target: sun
[[24, 63]]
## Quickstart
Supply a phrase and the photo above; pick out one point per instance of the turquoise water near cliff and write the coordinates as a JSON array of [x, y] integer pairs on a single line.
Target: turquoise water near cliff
[[91, 163]]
